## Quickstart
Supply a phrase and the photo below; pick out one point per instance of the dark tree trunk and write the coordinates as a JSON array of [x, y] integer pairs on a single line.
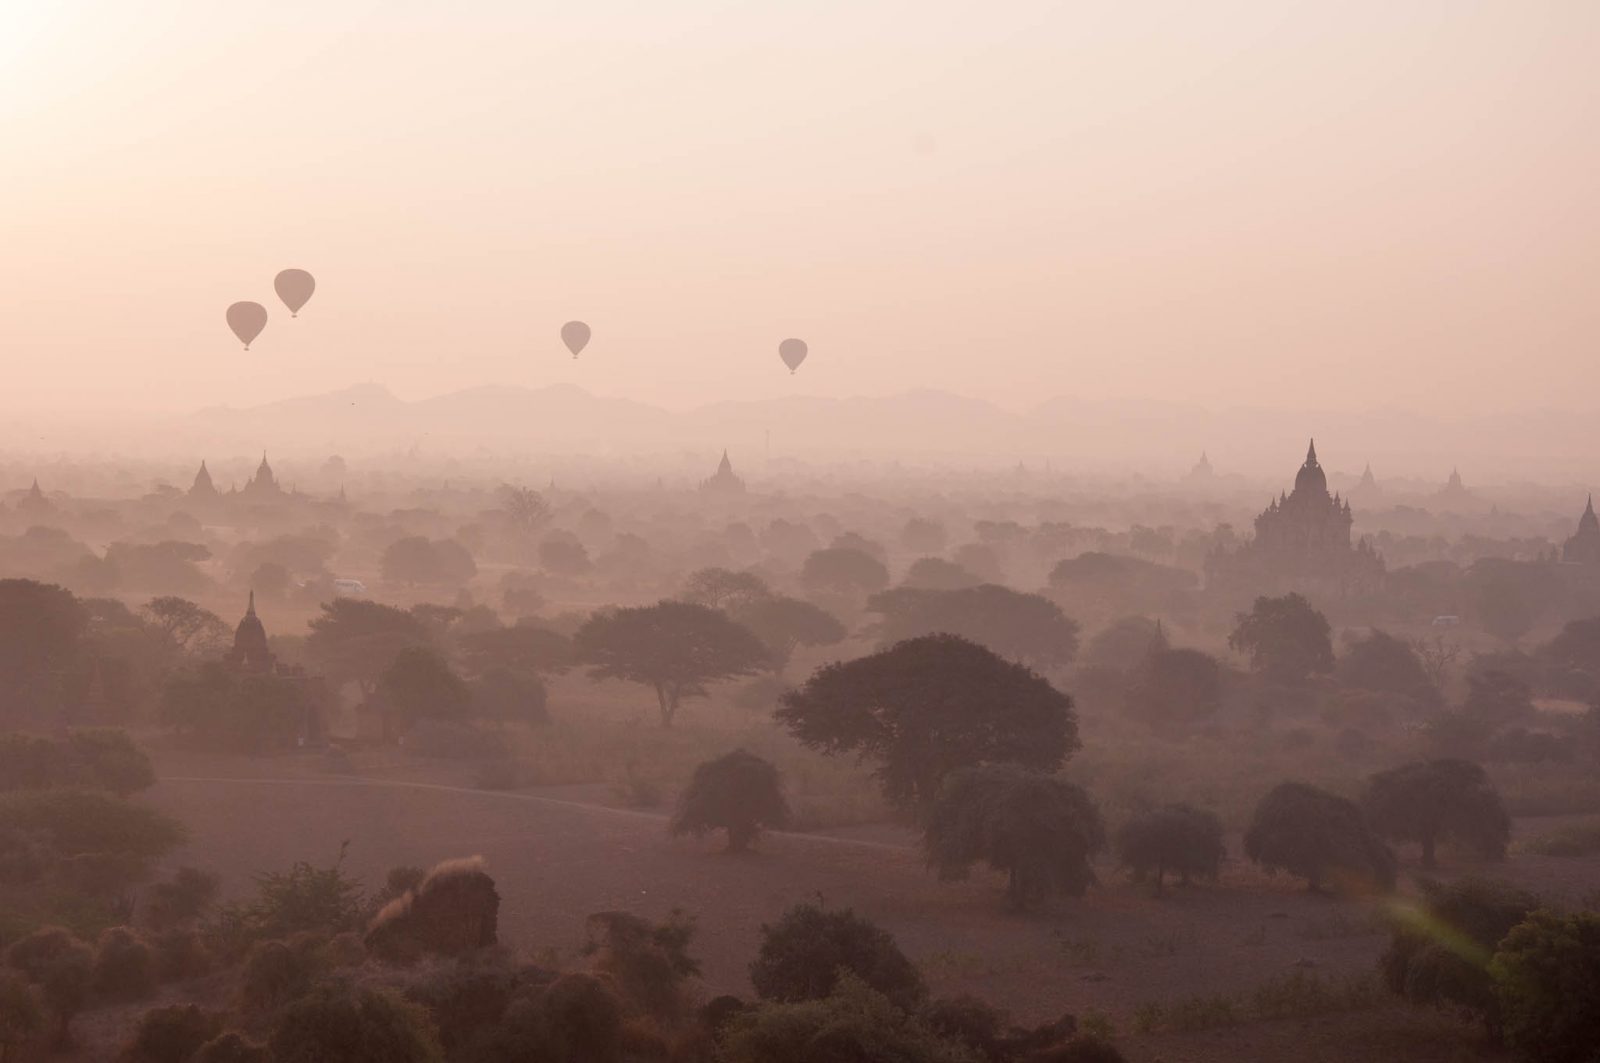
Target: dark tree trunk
[[1161, 874], [740, 835], [1427, 852]]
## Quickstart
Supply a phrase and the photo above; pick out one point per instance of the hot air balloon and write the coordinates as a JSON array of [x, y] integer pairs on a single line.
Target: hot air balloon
[[575, 334], [247, 320], [793, 352], [294, 287]]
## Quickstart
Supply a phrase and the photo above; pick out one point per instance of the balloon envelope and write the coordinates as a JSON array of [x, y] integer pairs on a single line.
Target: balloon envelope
[[294, 287], [575, 334], [793, 352], [247, 320]]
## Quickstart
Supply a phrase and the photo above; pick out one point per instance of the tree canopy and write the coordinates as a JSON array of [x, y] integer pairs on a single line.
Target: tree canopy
[[1320, 837], [784, 624], [1430, 800], [1023, 627], [843, 570], [674, 647], [1040, 831], [930, 705], [1179, 838], [804, 952], [738, 792], [354, 640], [1285, 638]]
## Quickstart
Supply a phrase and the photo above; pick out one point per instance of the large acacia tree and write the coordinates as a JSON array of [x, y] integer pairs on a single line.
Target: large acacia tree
[[1026, 627], [930, 705], [354, 640], [1432, 799], [1319, 836], [674, 647]]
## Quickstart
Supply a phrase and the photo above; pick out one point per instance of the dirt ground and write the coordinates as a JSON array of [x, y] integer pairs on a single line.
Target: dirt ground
[[560, 855]]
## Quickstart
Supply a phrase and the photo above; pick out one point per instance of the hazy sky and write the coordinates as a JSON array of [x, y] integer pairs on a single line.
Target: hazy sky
[[1335, 204]]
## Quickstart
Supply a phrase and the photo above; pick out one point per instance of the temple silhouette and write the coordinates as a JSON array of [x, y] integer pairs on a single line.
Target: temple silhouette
[[1584, 546], [724, 481], [1302, 540]]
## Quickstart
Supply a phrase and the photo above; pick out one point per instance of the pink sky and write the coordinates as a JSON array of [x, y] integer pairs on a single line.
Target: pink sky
[[1229, 202]]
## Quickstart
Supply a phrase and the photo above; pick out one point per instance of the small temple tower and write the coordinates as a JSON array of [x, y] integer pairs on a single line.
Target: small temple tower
[[1584, 546], [250, 652], [1202, 471], [202, 486], [263, 482], [724, 482], [34, 502]]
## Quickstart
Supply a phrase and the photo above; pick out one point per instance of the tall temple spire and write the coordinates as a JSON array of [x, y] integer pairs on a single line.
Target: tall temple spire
[[250, 610], [1311, 453]]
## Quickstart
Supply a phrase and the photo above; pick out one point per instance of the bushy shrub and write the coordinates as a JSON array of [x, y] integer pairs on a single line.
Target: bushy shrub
[[1547, 986], [124, 965], [181, 899], [454, 909], [852, 1022], [1432, 800], [33, 954], [304, 899], [231, 1047], [171, 1034], [21, 1017], [276, 972], [93, 759], [354, 1024], [803, 953], [181, 954], [649, 961], [65, 983]]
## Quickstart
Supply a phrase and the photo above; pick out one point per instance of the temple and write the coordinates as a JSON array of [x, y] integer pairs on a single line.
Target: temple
[[34, 502], [250, 652], [1584, 546], [202, 486], [724, 482], [1303, 538], [1202, 471], [263, 483]]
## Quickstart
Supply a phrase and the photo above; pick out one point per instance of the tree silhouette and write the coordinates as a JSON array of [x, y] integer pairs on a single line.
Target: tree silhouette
[[1286, 639], [721, 588], [1179, 838], [676, 648], [784, 624], [1023, 627], [930, 705], [354, 640], [1318, 836], [803, 953], [1545, 974], [1175, 687], [1380, 662], [419, 684], [1429, 800], [1039, 830], [842, 570], [737, 792]]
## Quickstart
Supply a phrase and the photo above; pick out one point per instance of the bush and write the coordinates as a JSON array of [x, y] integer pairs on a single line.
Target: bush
[[94, 759], [1439, 952], [649, 961], [1178, 838], [1320, 837], [20, 1015], [124, 966], [1079, 1050], [303, 899], [65, 983], [277, 972], [33, 954], [803, 953], [1575, 839], [354, 1024], [171, 1034], [853, 1022], [180, 899], [739, 793], [230, 1047], [454, 909], [180, 954], [77, 822], [1547, 986]]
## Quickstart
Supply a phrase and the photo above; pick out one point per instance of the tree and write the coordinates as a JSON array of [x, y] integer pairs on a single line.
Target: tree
[[96, 759], [1318, 836], [1125, 645], [937, 574], [1439, 951], [521, 647], [220, 709], [803, 953], [1547, 985], [1497, 698], [1023, 627], [1433, 799], [65, 983], [455, 909], [1039, 830], [42, 627], [783, 624], [922, 536], [674, 647], [1382, 663], [20, 1015], [169, 1034], [415, 559], [420, 685], [841, 570], [354, 640], [720, 588], [508, 696], [930, 705], [525, 509], [737, 792], [1179, 838], [1175, 687], [354, 1024], [649, 961], [1286, 639], [853, 1022], [562, 553], [185, 626]]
